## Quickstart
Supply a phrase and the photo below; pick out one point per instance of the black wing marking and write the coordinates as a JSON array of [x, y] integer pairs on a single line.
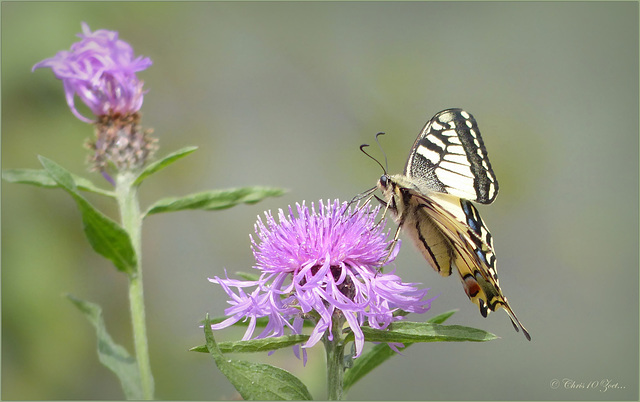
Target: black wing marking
[[474, 256], [449, 157]]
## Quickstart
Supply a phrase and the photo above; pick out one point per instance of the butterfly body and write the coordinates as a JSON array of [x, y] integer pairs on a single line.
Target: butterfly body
[[447, 168]]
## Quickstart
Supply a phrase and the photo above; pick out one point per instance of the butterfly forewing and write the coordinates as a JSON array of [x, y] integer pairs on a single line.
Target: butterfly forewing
[[449, 156]]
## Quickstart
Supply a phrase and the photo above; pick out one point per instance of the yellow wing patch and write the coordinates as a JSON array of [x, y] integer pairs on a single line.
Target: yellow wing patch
[[473, 255]]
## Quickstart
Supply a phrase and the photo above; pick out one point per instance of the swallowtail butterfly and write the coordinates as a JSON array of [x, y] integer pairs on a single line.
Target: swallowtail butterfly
[[447, 168]]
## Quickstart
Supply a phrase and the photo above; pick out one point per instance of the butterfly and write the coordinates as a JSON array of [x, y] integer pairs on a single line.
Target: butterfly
[[448, 168]]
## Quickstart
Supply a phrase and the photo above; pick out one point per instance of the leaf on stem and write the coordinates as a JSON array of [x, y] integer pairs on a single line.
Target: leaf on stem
[[214, 199], [441, 318], [260, 322], [163, 163], [105, 236], [364, 364], [255, 345], [40, 177], [113, 356], [248, 276], [256, 381], [407, 331]]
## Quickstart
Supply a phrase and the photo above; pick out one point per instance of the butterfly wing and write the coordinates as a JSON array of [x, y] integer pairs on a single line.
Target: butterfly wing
[[449, 157], [422, 230], [473, 254]]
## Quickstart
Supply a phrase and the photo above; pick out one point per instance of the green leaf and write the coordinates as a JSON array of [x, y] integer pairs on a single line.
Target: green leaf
[[248, 276], [215, 199], [256, 381], [261, 322], [255, 345], [163, 163], [380, 353], [407, 331], [40, 177], [441, 318], [105, 236], [364, 364], [113, 356]]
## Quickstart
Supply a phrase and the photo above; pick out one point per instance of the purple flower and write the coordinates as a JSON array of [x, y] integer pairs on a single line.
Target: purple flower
[[101, 70], [321, 265]]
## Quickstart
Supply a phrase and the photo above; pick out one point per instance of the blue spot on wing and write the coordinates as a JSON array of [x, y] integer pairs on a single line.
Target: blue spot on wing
[[470, 213], [482, 256]]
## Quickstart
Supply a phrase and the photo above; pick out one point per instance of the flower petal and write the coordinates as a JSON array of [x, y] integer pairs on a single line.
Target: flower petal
[[101, 71]]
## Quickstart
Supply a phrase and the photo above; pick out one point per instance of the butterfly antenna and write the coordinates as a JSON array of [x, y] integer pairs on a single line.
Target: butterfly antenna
[[386, 165], [365, 152]]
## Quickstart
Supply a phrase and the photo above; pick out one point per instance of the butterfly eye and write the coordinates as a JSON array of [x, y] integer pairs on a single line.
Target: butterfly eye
[[384, 180]]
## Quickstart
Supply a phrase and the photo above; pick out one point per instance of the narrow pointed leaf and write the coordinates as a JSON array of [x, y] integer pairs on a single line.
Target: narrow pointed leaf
[[364, 364], [441, 318], [40, 177], [248, 276], [407, 331], [255, 381], [163, 163], [380, 353], [215, 199], [113, 356], [256, 345], [105, 236], [261, 322]]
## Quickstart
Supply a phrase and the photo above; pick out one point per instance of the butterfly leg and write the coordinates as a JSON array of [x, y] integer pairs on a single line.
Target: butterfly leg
[[366, 201], [366, 194], [384, 213], [392, 246]]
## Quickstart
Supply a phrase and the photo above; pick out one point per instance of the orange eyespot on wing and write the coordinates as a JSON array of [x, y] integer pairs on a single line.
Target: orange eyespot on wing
[[471, 287]]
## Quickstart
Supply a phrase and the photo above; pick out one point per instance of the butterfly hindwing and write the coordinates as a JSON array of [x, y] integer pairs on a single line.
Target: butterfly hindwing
[[447, 168], [474, 257]]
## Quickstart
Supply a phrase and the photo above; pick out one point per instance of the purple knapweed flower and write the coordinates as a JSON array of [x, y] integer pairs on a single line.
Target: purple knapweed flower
[[101, 70], [321, 265]]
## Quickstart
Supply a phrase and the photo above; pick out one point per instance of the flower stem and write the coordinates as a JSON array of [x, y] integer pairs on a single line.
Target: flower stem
[[127, 197], [334, 349]]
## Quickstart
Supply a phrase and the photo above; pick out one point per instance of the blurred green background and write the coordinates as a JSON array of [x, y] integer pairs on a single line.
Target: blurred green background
[[282, 94]]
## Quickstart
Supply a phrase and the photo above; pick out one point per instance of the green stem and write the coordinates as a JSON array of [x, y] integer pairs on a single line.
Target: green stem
[[335, 361], [127, 197]]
